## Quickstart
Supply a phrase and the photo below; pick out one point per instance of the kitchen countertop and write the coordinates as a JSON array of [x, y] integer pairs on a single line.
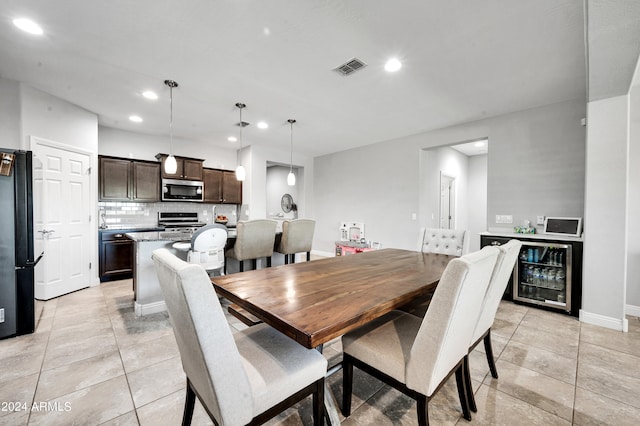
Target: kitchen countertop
[[510, 234], [158, 236], [129, 228], [142, 236]]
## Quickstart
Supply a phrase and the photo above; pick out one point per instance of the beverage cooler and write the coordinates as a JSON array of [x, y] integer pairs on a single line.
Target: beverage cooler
[[542, 275], [548, 272]]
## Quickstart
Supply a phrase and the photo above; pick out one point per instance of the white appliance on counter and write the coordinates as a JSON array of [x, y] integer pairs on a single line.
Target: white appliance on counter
[[351, 231]]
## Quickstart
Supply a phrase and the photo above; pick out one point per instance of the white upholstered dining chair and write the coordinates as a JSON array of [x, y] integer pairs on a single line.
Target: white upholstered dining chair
[[415, 355], [507, 258], [443, 241], [246, 377], [438, 241]]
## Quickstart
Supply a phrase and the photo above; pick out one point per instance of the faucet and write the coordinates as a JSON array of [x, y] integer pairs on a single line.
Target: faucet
[[104, 222]]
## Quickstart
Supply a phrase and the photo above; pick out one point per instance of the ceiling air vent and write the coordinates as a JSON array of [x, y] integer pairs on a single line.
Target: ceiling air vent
[[351, 66]]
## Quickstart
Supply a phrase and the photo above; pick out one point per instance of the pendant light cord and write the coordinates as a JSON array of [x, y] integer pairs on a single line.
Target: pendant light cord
[[291, 121], [170, 120]]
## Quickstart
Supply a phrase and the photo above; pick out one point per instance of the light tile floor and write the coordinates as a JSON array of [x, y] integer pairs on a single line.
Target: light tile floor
[[91, 361]]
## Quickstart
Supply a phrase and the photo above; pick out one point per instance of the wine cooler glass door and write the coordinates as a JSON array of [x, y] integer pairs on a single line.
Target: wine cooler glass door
[[543, 275]]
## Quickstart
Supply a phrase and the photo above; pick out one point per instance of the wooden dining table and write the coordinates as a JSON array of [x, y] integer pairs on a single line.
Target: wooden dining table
[[315, 302]]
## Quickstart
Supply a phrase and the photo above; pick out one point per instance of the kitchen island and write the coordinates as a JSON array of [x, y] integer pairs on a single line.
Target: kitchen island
[[146, 287]]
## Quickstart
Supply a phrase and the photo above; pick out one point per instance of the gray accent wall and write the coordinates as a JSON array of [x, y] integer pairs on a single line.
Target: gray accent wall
[[535, 166]]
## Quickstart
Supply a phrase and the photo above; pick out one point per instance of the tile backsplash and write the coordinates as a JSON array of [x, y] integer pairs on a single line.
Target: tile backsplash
[[143, 215]]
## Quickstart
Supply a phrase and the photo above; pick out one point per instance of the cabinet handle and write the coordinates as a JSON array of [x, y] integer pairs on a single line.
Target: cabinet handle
[[119, 235]]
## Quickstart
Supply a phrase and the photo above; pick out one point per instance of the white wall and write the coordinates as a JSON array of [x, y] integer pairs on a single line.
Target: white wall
[[120, 143], [256, 183], [535, 167], [10, 115], [276, 187], [604, 270], [633, 203], [477, 199], [48, 117], [448, 161]]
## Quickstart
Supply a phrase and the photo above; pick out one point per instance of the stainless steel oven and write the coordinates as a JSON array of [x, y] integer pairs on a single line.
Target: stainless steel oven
[[182, 190]]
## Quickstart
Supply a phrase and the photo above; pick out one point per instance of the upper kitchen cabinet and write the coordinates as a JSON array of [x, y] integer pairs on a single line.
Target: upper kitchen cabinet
[[188, 168], [231, 188], [221, 187], [121, 179]]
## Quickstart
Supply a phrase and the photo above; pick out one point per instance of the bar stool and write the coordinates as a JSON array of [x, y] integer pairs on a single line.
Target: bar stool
[[297, 237], [255, 239]]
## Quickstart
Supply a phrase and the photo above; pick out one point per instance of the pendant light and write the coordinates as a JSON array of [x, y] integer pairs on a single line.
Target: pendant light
[[240, 172], [170, 163], [291, 178]]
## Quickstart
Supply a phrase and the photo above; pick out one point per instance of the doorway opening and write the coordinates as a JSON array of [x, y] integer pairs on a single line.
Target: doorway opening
[[447, 201]]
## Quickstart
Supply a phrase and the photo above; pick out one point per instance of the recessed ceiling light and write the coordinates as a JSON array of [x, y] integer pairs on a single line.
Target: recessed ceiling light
[[262, 125], [232, 139], [150, 95], [393, 65], [28, 25], [135, 119], [479, 144]]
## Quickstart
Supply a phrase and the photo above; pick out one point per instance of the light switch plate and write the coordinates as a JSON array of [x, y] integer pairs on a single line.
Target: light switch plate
[[2, 315], [504, 218], [540, 220]]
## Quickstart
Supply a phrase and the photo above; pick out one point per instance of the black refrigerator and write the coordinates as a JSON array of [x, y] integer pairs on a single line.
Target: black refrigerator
[[17, 314]]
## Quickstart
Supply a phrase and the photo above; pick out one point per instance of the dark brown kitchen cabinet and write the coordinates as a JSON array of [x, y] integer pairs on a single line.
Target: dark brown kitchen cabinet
[[212, 185], [116, 256], [221, 187], [121, 179], [115, 179], [231, 188], [188, 168]]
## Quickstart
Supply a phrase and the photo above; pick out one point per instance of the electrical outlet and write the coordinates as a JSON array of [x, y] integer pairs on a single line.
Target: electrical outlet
[[1, 314], [504, 218], [540, 220]]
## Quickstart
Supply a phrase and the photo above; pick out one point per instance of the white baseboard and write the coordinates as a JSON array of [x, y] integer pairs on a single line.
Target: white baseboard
[[149, 308], [634, 311], [603, 321], [324, 253]]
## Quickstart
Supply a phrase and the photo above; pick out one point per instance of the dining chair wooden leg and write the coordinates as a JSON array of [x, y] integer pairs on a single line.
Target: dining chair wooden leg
[[268, 261], [318, 404], [469, 386], [189, 405], [488, 349], [308, 256], [286, 259], [347, 385], [241, 267], [462, 392], [423, 410]]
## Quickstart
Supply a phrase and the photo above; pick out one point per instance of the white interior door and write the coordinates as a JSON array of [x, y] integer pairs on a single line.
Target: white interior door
[[447, 202], [62, 222]]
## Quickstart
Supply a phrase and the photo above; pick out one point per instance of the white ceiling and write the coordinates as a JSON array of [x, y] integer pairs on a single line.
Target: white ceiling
[[462, 61]]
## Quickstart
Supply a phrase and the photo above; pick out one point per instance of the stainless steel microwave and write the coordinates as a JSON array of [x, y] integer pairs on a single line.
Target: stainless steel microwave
[[182, 190]]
